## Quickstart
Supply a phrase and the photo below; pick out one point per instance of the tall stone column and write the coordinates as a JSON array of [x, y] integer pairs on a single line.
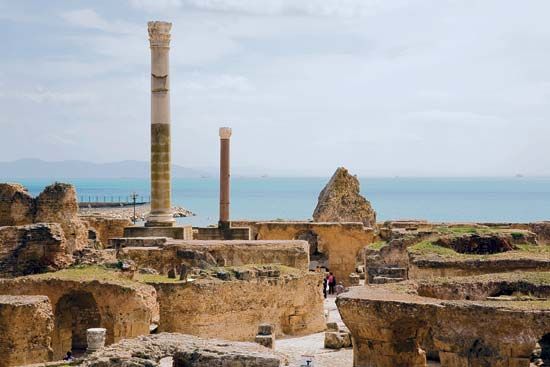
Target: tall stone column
[[225, 174], [161, 212]]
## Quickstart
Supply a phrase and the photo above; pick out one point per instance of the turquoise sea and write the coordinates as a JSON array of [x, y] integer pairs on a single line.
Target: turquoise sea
[[437, 199]]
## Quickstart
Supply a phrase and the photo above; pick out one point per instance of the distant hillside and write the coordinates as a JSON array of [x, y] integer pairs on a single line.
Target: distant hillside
[[36, 168]]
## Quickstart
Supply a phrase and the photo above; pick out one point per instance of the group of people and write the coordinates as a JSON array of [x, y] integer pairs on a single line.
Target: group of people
[[329, 282]]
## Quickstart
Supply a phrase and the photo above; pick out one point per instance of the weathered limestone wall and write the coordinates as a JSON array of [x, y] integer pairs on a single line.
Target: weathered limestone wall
[[340, 242], [233, 309], [427, 269], [32, 249], [26, 323], [217, 233], [221, 253], [394, 328], [16, 205], [186, 350], [126, 310], [58, 204], [106, 227]]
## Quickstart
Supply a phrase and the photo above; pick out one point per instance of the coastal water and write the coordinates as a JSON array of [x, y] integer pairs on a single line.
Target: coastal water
[[436, 199]]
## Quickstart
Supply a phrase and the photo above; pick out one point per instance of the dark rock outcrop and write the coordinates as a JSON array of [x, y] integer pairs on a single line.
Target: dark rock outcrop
[[341, 201]]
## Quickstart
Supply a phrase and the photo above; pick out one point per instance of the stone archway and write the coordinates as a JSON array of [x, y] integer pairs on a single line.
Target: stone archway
[[75, 312], [316, 256]]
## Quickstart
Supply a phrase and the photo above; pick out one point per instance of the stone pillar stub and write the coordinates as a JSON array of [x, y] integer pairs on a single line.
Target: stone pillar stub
[[225, 175], [95, 338], [161, 206]]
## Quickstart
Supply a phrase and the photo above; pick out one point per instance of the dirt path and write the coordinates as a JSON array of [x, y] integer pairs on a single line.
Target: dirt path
[[312, 344]]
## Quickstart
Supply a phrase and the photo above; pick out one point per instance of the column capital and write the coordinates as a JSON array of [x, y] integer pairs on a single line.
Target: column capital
[[159, 33], [225, 132]]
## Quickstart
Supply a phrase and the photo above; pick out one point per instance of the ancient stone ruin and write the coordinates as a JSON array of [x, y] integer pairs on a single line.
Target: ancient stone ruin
[[339, 291], [341, 201]]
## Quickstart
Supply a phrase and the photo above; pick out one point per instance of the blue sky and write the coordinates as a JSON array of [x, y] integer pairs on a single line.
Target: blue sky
[[408, 88]]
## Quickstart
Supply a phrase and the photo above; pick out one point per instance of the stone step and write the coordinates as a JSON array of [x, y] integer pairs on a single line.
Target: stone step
[[390, 272], [384, 280]]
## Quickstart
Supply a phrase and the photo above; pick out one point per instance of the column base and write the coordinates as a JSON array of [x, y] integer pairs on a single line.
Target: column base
[[160, 220]]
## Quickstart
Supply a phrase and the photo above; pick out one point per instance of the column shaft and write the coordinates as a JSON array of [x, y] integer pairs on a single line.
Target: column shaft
[[161, 208]]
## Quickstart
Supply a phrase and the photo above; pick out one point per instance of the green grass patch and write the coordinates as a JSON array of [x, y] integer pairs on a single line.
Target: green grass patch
[[377, 245], [156, 278], [87, 272], [429, 248]]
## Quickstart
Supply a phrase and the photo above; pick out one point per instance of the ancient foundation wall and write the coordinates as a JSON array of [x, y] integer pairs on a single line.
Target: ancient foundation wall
[[26, 323], [428, 270], [107, 227], [125, 310], [340, 242], [56, 204], [395, 329], [233, 309], [221, 253], [33, 248]]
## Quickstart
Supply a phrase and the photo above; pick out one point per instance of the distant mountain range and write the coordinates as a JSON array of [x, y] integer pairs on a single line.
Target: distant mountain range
[[36, 168]]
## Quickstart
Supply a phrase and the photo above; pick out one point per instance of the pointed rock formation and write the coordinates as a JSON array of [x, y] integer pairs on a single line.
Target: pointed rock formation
[[340, 201]]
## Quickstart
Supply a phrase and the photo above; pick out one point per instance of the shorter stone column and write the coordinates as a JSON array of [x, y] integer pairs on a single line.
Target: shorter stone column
[[95, 338]]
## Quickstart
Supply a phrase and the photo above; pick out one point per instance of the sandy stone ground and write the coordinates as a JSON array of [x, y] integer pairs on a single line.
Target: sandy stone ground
[[312, 345]]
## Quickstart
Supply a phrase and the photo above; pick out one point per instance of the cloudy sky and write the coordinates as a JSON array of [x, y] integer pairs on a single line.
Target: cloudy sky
[[400, 87]]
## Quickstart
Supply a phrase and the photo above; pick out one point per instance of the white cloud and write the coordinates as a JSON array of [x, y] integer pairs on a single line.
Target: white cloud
[[342, 8], [89, 18], [156, 5]]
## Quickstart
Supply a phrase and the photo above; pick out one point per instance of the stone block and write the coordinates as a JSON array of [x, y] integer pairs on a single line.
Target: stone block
[[346, 339], [333, 340], [267, 341], [265, 329], [26, 324], [332, 326], [354, 279]]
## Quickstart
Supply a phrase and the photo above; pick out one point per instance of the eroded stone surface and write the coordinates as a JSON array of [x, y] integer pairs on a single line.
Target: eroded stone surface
[[26, 323], [16, 205], [340, 243], [32, 249], [58, 204], [392, 325], [107, 227], [86, 298], [186, 350], [172, 253], [341, 201], [232, 309]]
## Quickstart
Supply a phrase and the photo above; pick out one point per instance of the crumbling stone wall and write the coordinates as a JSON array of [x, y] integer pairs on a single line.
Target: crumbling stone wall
[[106, 227], [340, 242], [56, 204], [16, 205], [125, 309], [34, 248], [26, 323], [396, 327], [219, 253], [233, 309]]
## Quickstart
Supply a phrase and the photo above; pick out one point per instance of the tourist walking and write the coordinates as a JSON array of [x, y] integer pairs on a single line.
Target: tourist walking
[[325, 285], [331, 283]]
